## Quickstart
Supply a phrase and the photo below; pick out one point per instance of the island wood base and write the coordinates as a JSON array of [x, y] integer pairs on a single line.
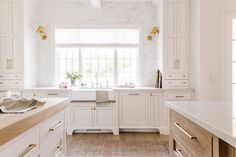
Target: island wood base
[[187, 139]]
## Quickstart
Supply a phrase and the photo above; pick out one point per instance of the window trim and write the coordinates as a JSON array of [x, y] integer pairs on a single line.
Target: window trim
[[140, 68], [227, 84]]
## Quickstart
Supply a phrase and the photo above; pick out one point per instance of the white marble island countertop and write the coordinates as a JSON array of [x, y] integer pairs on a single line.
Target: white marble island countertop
[[218, 118]]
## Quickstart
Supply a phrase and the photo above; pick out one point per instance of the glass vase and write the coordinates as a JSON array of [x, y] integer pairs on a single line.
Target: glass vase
[[72, 83]]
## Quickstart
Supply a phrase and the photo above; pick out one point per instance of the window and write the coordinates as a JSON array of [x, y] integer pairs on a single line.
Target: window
[[234, 61], [105, 57]]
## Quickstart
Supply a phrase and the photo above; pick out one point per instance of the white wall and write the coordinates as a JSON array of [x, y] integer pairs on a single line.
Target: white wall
[[141, 14], [30, 43], [208, 47]]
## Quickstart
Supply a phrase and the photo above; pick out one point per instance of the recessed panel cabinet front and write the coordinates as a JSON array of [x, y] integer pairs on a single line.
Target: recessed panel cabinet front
[[11, 36], [4, 17], [82, 117], [156, 110], [133, 110], [104, 116], [176, 36]]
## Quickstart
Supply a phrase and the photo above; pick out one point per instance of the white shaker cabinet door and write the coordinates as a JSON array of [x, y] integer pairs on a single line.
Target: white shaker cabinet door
[[82, 117], [11, 36], [156, 109], [133, 110], [104, 117], [4, 51], [176, 36]]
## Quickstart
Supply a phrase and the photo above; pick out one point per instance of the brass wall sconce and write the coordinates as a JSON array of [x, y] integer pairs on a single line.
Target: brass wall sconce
[[42, 33], [154, 32]]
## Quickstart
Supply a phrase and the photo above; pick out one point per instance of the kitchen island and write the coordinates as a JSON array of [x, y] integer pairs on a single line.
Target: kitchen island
[[38, 132], [202, 129]]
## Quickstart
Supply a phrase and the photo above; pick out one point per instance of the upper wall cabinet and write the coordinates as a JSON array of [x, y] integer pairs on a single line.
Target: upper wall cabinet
[[11, 53], [176, 38], [17, 30]]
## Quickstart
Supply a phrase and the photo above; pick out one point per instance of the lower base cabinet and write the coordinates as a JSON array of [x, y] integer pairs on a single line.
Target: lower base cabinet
[[143, 110], [45, 140], [187, 139], [133, 110], [89, 116], [27, 145], [52, 133]]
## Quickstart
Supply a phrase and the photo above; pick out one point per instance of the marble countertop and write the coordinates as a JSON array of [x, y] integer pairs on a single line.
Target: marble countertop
[[218, 118], [12, 125], [92, 89], [109, 89], [138, 89]]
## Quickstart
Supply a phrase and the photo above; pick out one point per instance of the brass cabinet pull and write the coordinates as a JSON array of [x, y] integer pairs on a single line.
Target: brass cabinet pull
[[59, 148], [179, 96], [185, 132], [133, 94], [178, 153], [54, 128], [27, 150], [52, 94]]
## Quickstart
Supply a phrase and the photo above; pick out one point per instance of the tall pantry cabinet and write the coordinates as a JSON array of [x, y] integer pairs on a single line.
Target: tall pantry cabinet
[[176, 43], [18, 43]]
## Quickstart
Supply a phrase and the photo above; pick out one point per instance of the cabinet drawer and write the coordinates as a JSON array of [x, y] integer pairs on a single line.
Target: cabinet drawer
[[51, 132], [27, 145], [195, 138], [30, 94], [179, 151], [176, 83], [53, 94], [176, 76], [54, 150], [11, 83], [178, 95], [10, 76]]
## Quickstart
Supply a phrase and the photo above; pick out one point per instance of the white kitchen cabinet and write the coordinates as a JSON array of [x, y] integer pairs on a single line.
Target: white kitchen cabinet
[[25, 145], [11, 51], [47, 139], [158, 113], [88, 115], [143, 109], [177, 36], [52, 141], [178, 95], [82, 117], [54, 94], [133, 110], [17, 30], [104, 116], [156, 108], [176, 41]]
